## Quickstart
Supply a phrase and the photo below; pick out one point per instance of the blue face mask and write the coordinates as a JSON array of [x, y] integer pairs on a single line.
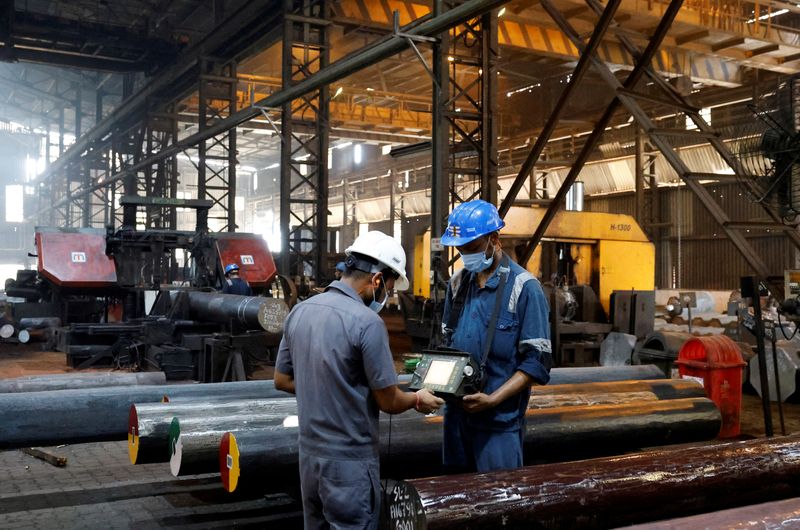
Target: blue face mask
[[477, 261], [378, 306]]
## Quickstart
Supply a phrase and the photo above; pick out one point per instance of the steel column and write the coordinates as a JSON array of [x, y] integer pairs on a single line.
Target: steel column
[[216, 165], [304, 137]]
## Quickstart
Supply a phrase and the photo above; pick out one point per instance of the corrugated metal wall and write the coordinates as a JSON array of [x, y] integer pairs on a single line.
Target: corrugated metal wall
[[708, 260]]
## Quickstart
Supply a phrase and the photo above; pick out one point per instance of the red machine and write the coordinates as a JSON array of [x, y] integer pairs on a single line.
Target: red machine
[[75, 258], [251, 253]]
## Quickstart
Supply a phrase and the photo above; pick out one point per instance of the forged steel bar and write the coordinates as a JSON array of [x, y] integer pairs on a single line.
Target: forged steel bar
[[98, 414], [194, 444], [768, 515], [39, 322], [604, 492], [149, 424], [42, 383], [597, 374], [200, 433], [411, 443], [247, 311]]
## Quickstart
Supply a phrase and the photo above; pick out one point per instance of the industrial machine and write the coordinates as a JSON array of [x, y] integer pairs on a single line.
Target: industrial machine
[[147, 298], [583, 259]]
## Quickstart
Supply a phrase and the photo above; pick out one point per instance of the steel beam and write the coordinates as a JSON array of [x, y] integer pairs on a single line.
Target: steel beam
[[633, 78], [606, 492], [552, 121], [342, 68]]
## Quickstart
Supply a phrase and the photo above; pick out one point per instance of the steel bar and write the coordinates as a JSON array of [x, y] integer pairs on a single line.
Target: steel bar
[[247, 311], [597, 374], [39, 322], [374, 53], [200, 434], [411, 443], [42, 383], [552, 121], [642, 63], [767, 515], [605, 492], [98, 414], [149, 423], [194, 444]]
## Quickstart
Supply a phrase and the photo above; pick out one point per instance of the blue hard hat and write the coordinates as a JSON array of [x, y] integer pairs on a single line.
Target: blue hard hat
[[469, 221], [231, 267], [340, 266]]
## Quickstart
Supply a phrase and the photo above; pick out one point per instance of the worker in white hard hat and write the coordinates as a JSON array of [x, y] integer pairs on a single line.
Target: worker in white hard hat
[[335, 357]]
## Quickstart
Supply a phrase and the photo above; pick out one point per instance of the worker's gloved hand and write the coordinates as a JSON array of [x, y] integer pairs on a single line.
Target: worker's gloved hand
[[427, 402], [477, 402]]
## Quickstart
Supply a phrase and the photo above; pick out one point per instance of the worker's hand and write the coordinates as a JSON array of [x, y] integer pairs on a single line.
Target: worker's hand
[[477, 402], [427, 402]]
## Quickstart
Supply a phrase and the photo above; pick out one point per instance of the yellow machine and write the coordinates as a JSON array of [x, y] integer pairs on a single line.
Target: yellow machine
[[605, 251]]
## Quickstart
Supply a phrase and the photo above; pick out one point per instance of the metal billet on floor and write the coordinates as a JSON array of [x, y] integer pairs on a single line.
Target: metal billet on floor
[[551, 434], [98, 414], [43, 383], [604, 492]]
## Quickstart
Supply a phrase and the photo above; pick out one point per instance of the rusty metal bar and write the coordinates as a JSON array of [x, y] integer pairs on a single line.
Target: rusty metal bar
[[552, 121], [778, 514], [630, 83], [605, 492]]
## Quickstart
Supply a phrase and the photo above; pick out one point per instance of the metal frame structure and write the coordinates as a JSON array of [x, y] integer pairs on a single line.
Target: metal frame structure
[[216, 155], [304, 141]]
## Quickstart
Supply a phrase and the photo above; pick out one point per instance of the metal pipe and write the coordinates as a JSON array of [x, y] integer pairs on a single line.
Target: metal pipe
[[374, 53], [44, 383], [551, 434], [605, 492], [777, 514], [149, 424], [99, 414], [596, 374]]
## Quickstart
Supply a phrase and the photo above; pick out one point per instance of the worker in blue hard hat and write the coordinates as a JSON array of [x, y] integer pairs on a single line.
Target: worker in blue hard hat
[[497, 312], [233, 284]]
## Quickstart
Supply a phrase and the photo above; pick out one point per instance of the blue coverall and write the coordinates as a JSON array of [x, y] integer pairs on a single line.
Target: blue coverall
[[492, 439]]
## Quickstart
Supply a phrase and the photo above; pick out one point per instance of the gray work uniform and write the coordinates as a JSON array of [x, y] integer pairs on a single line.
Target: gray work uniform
[[337, 351]]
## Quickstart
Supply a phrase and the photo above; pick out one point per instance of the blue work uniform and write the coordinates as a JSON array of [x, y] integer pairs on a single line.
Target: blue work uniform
[[492, 439], [337, 351], [236, 286]]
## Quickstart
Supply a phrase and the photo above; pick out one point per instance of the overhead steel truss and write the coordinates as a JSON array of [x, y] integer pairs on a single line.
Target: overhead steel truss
[[304, 141]]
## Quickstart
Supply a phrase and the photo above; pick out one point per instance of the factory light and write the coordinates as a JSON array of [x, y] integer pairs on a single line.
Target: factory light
[[338, 92], [501, 12], [357, 154]]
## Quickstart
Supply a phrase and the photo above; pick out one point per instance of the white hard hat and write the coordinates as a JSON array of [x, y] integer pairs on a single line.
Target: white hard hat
[[386, 250]]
